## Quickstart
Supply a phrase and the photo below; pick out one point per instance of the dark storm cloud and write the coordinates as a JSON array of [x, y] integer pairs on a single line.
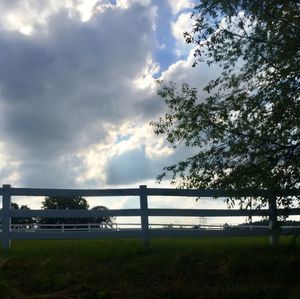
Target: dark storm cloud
[[61, 85], [134, 165], [54, 173], [130, 167]]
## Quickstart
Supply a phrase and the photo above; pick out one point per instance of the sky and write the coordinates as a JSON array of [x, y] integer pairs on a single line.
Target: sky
[[78, 91]]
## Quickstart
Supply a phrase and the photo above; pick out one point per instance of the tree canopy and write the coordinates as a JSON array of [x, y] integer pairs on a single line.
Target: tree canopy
[[246, 129], [64, 203], [73, 203], [21, 220], [107, 220]]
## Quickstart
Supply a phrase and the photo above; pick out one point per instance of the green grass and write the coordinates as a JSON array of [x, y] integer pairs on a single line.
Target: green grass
[[168, 268]]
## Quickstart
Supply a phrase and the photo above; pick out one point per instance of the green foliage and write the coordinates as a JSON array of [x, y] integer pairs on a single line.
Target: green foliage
[[247, 128], [21, 220], [102, 219], [64, 203], [72, 203]]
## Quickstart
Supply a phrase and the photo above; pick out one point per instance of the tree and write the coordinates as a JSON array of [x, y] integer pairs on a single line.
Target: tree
[[21, 220], [64, 203], [106, 220], [247, 128]]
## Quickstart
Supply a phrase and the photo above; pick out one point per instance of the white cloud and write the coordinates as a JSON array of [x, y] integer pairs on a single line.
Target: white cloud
[[145, 78], [116, 159], [180, 5], [127, 3], [25, 15], [86, 8], [199, 76], [183, 23]]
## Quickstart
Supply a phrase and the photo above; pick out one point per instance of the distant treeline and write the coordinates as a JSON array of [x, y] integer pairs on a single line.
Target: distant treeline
[[64, 203], [266, 222]]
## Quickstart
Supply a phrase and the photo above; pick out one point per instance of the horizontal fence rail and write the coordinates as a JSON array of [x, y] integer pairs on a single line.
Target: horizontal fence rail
[[71, 192], [74, 213], [144, 230]]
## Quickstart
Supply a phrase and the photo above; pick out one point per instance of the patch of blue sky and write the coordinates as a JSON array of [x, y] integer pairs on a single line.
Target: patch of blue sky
[[165, 42], [164, 52], [121, 137], [113, 2]]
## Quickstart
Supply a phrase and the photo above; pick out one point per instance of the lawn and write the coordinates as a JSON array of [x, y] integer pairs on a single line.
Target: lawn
[[168, 268]]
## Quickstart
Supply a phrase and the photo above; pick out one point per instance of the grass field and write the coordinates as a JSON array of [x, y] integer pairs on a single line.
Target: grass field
[[168, 268]]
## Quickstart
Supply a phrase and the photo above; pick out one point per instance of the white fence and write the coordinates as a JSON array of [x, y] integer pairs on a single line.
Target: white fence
[[145, 232]]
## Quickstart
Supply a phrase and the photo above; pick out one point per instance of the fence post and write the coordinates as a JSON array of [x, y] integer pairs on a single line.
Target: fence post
[[6, 219], [144, 214], [273, 224]]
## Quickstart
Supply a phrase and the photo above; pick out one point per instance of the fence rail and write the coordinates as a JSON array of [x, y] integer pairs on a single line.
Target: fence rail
[[145, 232]]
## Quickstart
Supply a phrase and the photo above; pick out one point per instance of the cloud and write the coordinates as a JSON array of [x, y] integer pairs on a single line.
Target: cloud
[[8, 166], [182, 24], [141, 157], [128, 3], [77, 97], [27, 16], [180, 5], [60, 88], [130, 167], [199, 76]]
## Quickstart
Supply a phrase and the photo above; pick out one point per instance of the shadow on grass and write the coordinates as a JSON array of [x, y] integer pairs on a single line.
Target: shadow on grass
[[167, 268]]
